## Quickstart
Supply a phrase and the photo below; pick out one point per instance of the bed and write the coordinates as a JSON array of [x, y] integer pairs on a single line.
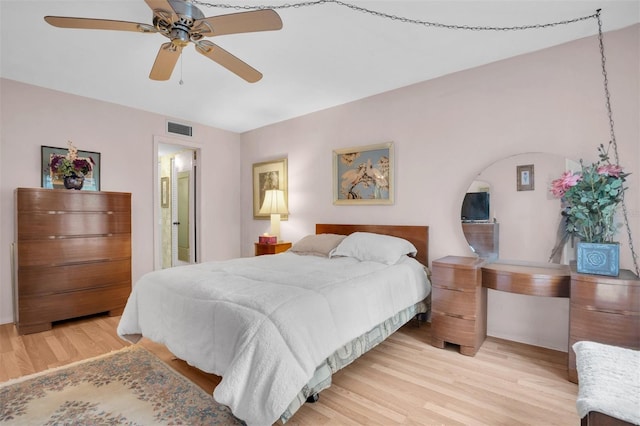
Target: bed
[[275, 328]]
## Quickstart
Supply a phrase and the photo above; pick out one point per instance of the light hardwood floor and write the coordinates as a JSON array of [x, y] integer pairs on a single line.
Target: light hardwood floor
[[404, 380]]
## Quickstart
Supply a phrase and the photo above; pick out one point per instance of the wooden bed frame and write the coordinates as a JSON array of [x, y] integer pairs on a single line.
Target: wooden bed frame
[[417, 235], [594, 418]]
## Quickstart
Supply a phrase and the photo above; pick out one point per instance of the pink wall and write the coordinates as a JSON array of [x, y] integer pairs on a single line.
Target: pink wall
[[33, 116], [445, 132], [449, 129]]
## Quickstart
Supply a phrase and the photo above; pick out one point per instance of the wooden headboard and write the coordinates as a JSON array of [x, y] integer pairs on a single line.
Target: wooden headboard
[[417, 235]]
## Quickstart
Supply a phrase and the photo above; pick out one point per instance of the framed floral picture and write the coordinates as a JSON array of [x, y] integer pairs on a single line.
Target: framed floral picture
[[525, 178], [269, 175], [53, 180], [363, 175]]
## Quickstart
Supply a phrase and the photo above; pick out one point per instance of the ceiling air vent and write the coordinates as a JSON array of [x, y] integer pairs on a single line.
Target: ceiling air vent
[[179, 129]]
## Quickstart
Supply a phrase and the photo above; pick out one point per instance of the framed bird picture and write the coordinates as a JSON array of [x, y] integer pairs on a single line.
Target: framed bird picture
[[363, 175]]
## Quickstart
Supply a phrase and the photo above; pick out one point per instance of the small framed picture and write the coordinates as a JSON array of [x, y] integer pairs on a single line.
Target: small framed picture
[[525, 178], [53, 181], [269, 175], [165, 192], [363, 175]]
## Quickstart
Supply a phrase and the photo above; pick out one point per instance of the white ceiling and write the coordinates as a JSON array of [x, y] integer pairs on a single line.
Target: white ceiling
[[325, 55]]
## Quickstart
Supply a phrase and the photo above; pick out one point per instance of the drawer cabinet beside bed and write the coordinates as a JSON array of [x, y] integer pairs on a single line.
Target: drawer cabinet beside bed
[[603, 310], [262, 249], [458, 304], [73, 255]]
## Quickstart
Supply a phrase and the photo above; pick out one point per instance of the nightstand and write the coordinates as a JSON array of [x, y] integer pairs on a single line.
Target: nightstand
[[604, 310], [458, 303], [272, 248]]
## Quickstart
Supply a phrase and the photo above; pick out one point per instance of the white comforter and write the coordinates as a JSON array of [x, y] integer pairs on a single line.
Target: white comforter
[[265, 323]]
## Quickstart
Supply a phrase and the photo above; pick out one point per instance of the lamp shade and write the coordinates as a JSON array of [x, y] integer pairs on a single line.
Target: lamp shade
[[274, 202]]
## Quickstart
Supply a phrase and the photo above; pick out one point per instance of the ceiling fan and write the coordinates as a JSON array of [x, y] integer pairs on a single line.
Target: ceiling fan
[[182, 22]]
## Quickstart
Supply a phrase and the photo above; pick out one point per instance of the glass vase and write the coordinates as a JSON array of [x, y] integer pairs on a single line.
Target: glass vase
[[73, 182]]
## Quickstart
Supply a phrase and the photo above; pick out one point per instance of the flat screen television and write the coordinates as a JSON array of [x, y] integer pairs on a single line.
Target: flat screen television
[[475, 207]]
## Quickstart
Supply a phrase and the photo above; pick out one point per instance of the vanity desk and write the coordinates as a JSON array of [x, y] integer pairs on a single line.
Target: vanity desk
[[529, 278], [459, 298], [602, 309]]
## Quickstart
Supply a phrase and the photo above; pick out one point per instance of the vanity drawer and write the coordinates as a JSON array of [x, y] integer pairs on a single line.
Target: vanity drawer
[[458, 303], [605, 327], [455, 276], [453, 329], [606, 295], [603, 309]]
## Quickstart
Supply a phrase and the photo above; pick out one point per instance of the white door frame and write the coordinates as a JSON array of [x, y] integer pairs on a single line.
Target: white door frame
[[157, 237]]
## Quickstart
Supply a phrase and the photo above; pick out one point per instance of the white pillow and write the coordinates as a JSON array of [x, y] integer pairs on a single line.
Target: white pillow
[[317, 245], [374, 247]]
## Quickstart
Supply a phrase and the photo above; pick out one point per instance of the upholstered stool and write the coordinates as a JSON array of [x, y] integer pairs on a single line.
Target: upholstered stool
[[608, 384]]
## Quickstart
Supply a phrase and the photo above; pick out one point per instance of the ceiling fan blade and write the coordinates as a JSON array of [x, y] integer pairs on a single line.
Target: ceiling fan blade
[[243, 22], [165, 61], [98, 24], [227, 60], [162, 5]]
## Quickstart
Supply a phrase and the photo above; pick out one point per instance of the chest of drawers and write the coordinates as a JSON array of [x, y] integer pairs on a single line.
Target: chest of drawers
[[604, 310], [73, 255], [459, 303]]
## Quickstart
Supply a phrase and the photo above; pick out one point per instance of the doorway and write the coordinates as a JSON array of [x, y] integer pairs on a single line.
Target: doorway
[[182, 240], [176, 212]]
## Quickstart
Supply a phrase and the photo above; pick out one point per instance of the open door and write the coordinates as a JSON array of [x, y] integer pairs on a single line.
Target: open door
[[176, 205]]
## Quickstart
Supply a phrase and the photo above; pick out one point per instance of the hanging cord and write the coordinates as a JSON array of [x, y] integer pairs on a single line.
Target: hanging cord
[[472, 28], [612, 134], [393, 17]]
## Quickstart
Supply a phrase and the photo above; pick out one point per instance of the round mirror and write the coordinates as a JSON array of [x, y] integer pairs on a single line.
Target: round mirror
[[519, 218]]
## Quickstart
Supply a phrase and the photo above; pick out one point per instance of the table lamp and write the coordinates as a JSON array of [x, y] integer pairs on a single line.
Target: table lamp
[[275, 206]]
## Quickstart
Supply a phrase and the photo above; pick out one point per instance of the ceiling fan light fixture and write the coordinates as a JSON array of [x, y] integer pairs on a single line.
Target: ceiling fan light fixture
[[177, 44], [179, 37], [182, 23]]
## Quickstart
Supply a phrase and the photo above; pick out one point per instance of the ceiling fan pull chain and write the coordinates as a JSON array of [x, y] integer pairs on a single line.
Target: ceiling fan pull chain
[[612, 134], [181, 82]]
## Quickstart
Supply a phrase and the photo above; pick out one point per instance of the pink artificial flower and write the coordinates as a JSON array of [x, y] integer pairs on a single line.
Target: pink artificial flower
[[562, 185], [610, 170]]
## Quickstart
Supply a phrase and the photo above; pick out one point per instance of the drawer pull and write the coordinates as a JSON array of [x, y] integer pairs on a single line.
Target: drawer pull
[[610, 311], [66, 237], [462, 290], [458, 316]]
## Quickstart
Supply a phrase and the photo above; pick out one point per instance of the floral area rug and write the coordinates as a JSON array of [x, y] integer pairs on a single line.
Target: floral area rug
[[127, 387]]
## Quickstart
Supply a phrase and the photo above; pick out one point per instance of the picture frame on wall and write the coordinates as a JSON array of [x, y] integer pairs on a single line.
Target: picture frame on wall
[[363, 175], [525, 178], [165, 192], [269, 175], [52, 181]]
